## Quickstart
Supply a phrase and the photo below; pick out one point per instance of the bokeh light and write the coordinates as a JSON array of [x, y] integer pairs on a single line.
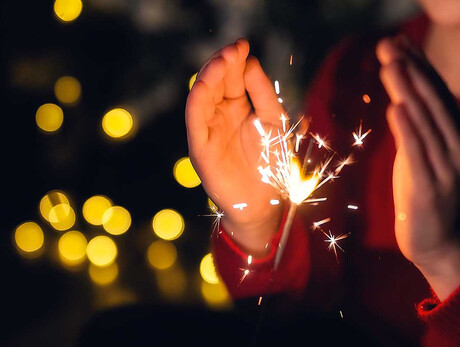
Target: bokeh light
[[62, 217], [168, 224], [208, 270], [185, 174], [72, 248], [212, 205], [103, 275], [101, 251], [216, 295], [192, 80], [94, 208], [172, 283], [29, 237], [49, 117], [67, 90], [366, 98], [67, 10], [117, 123], [116, 220], [161, 254], [51, 199]]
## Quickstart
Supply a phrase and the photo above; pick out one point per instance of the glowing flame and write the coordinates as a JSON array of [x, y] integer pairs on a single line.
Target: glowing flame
[[299, 188]]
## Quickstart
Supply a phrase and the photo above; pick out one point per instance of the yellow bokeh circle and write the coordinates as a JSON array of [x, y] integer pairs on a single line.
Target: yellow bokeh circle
[[94, 208], [117, 123], [101, 251], [103, 275], [72, 247], [51, 199], [116, 220], [185, 174], [67, 90], [208, 270], [192, 81], [62, 217], [168, 224], [172, 283], [161, 254], [29, 237], [49, 117], [216, 295], [67, 10]]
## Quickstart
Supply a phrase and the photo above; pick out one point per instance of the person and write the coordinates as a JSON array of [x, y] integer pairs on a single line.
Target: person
[[404, 243]]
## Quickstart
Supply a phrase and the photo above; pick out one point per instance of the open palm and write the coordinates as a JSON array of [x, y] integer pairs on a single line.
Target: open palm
[[223, 143]]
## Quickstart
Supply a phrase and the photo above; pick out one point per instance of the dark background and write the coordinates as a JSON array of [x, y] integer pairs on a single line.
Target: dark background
[[139, 53]]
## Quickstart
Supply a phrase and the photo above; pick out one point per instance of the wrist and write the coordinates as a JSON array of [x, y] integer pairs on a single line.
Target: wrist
[[442, 270], [255, 234]]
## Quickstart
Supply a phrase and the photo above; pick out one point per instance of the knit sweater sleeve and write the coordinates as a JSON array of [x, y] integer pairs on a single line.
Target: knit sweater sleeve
[[442, 320]]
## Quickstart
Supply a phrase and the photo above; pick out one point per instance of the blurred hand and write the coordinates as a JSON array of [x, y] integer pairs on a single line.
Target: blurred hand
[[426, 172], [225, 146]]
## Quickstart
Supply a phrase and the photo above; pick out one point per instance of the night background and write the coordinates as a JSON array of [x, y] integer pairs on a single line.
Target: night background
[[139, 56]]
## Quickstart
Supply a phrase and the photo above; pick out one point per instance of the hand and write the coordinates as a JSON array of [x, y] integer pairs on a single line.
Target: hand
[[426, 171], [225, 146]]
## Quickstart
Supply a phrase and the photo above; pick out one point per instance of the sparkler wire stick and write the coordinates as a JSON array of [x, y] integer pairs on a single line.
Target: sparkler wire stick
[[285, 234]]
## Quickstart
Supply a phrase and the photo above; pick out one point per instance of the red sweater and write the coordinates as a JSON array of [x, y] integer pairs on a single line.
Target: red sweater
[[372, 283]]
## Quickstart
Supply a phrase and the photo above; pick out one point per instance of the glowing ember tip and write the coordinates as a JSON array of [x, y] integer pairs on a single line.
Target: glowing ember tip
[[300, 189]]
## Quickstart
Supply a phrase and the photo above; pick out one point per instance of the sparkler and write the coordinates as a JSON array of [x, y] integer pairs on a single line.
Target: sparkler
[[281, 169]]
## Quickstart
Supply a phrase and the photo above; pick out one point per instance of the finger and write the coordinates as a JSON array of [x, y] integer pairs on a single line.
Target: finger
[[213, 76], [235, 56], [395, 79], [410, 143], [387, 51], [442, 116], [261, 92], [198, 109]]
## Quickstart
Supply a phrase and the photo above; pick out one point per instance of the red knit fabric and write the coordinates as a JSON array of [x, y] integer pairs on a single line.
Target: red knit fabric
[[376, 282]]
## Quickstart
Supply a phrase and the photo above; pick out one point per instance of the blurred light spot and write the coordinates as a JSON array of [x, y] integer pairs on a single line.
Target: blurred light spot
[[168, 224], [366, 98], [216, 295], [172, 282], [402, 216], [192, 80], [67, 90], [101, 251], [161, 254], [212, 205], [117, 123], [50, 200], [94, 208], [67, 10], [72, 247], [62, 217], [29, 237], [185, 174], [103, 275], [49, 117], [116, 220], [208, 270]]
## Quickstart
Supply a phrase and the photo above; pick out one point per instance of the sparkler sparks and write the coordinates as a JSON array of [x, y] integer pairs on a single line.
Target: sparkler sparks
[[333, 245], [218, 216], [317, 224], [283, 171], [359, 136], [240, 206]]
